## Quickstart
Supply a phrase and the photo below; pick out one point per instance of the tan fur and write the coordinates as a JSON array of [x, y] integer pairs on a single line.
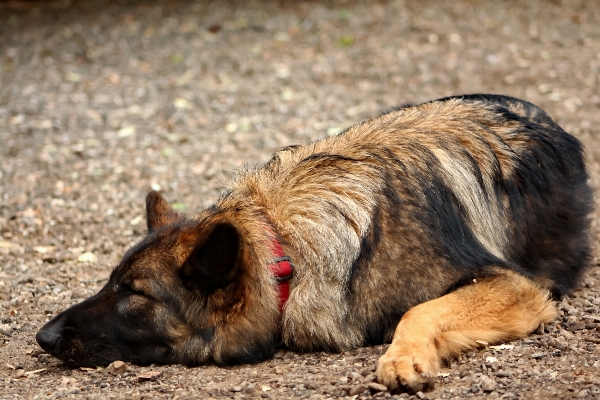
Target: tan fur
[[505, 307], [292, 196]]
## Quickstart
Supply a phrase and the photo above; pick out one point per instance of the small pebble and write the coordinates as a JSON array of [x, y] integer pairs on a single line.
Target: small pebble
[[5, 329], [116, 368], [355, 376], [377, 387], [370, 378], [37, 352], [19, 373], [488, 384], [358, 389], [148, 376]]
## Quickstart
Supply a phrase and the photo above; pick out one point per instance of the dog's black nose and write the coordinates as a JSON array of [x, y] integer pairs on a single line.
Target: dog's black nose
[[49, 336]]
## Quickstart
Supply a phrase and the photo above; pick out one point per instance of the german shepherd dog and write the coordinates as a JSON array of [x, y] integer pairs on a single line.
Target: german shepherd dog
[[435, 227]]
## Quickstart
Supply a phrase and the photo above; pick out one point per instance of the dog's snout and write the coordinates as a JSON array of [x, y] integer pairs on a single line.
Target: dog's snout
[[49, 336]]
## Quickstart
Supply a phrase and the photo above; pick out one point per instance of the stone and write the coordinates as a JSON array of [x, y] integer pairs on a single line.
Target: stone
[[370, 378], [488, 384], [148, 376], [355, 376], [356, 390], [5, 329], [436, 394], [117, 367], [377, 387]]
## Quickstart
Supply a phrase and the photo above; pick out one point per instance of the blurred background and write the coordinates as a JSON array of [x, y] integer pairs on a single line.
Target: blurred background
[[139, 93]]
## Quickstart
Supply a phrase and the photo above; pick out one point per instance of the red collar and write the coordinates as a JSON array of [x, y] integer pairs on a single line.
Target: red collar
[[283, 270]]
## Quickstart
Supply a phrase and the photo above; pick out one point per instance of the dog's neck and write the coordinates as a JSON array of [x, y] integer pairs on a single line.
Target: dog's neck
[[283, 270]]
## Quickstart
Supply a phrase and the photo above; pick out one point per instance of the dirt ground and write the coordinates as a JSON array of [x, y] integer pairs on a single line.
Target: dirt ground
[[100, 101]]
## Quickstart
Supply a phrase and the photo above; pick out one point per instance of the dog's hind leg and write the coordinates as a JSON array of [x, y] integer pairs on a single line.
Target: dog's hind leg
[[500, 307]]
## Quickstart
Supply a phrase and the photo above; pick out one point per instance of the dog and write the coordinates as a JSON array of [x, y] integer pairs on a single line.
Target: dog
[[434, 227]]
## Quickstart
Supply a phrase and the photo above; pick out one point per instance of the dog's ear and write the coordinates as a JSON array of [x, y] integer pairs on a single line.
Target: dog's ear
[[159, 212], [211, 263]]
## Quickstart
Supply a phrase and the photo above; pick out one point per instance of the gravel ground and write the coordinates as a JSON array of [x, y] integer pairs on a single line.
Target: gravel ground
[[100, 101]]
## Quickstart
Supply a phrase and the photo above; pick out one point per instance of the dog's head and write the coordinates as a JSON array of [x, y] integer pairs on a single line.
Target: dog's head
[[187, 293]]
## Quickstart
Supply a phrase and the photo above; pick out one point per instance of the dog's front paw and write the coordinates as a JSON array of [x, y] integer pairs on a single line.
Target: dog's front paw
[[411, 369]]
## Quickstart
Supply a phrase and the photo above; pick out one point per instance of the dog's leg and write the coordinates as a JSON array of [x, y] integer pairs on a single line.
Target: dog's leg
[[505, 306]]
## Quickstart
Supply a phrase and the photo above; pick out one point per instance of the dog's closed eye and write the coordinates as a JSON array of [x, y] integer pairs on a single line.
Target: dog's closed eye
[[133, 289], [137, 292]]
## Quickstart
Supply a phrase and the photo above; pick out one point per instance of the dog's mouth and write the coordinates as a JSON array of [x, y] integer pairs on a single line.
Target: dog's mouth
[[101, 355]]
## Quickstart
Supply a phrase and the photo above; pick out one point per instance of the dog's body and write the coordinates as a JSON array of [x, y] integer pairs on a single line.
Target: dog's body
[[467, 211]]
